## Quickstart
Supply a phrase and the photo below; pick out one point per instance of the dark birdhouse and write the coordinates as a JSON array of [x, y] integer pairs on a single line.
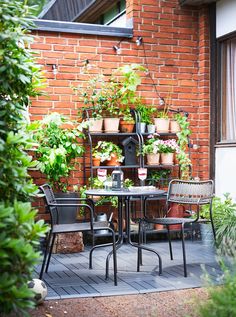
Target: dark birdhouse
[[129, 145]]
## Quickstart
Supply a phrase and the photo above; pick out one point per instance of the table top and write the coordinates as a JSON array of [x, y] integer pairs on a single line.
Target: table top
[[127, 192]]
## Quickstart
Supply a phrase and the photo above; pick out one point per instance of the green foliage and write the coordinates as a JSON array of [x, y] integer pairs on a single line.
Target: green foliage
[[160, 177], [105, 149], [224, 217], [102, 200], [19, 233], [19, 237], [146, 113], [182, 156], [58, 147], [221, 302]]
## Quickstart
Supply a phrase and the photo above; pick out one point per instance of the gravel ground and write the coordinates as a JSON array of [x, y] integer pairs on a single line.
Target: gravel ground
[[162, 304]]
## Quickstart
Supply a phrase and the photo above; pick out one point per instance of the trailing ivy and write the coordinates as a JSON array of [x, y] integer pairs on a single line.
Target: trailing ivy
[[19, 232]]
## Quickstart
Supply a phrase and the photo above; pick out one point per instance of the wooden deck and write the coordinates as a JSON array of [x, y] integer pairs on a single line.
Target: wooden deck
[[70, 277]]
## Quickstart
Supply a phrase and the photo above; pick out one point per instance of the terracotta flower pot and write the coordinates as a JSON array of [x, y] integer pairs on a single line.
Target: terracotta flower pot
[[113, 161], [176, 211], [126, 126], [96, 161]]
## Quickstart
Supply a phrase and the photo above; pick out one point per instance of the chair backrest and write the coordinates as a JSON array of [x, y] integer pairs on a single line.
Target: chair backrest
[[49, 198], [190, 192]]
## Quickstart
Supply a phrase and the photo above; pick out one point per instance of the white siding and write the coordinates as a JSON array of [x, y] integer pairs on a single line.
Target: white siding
[[225, 17], [226, 171]]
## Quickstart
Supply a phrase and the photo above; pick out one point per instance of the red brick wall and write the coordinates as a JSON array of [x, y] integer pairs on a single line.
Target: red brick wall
[[176, 45]]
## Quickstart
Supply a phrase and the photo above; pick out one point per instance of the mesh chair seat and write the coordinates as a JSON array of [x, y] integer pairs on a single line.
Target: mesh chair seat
[[192, 193], [81, 226]]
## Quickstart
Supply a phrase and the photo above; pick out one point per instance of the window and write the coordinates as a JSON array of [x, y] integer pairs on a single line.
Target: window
[[228, 90]]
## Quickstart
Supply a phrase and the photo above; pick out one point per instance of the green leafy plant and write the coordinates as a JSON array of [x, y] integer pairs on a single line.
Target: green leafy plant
[[97, 184], [224, 217], [105, 150], [183, 140], [146, 112], [20, 79], [221, 299], [159, 178], [58, 148], [152, 145]]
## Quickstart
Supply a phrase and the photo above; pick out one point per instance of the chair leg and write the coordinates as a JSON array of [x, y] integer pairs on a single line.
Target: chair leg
[[114, 257], [45, 255], [50, 251], [169, 240], [184, 253]]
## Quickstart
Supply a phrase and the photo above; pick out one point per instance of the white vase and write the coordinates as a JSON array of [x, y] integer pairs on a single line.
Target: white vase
[[151, 128], [153, 159], [167, 158], [162, 125], [95, 125], [141, 127], [174, 126], [111, 125]]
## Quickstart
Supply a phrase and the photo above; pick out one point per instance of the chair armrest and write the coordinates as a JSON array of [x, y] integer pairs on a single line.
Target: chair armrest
[[76, 205]]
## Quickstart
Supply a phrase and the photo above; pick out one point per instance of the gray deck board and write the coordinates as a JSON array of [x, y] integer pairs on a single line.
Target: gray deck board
[[69, 274]]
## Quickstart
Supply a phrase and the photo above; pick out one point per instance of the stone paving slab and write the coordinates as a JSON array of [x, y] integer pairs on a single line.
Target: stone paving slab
[[69, 275]]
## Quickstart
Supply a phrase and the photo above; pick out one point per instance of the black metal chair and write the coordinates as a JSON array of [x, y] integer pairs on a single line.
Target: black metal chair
[[191, 193], [53, 204]]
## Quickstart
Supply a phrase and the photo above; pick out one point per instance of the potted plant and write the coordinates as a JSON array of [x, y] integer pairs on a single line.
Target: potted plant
[[127, 121], [167, 148], [151, 149], [94, 105], [162, 121], [128, 79], [58, 147], [109, 152], [146, 117]]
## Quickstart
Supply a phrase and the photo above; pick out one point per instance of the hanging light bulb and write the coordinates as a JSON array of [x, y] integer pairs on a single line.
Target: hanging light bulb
[[139, 41], [161, 101], [117, 49], [54, 69]]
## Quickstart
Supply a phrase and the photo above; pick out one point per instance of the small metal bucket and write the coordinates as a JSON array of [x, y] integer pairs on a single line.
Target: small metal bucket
[[101, 217]]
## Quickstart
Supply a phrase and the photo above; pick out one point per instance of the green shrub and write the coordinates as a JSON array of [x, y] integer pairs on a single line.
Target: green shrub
[[221, 302], [19, 233]]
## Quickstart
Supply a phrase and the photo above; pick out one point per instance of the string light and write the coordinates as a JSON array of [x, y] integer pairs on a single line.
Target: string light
[[139, 41], [54, 69], [117, 49]]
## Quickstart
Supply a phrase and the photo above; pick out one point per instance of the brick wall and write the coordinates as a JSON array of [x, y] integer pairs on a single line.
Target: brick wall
[[176, 51]]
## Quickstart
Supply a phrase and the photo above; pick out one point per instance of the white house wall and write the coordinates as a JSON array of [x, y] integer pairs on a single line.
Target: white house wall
[[225, 158], [226, 171], [225, 17]]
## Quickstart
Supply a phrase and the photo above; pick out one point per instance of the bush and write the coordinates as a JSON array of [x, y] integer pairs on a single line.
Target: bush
[[19, 233], [221, 302]]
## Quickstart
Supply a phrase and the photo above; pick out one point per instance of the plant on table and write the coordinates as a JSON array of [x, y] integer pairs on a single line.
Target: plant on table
[[58, 147], [168, 146], [20, 234], [106, 150], [95, 183]]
